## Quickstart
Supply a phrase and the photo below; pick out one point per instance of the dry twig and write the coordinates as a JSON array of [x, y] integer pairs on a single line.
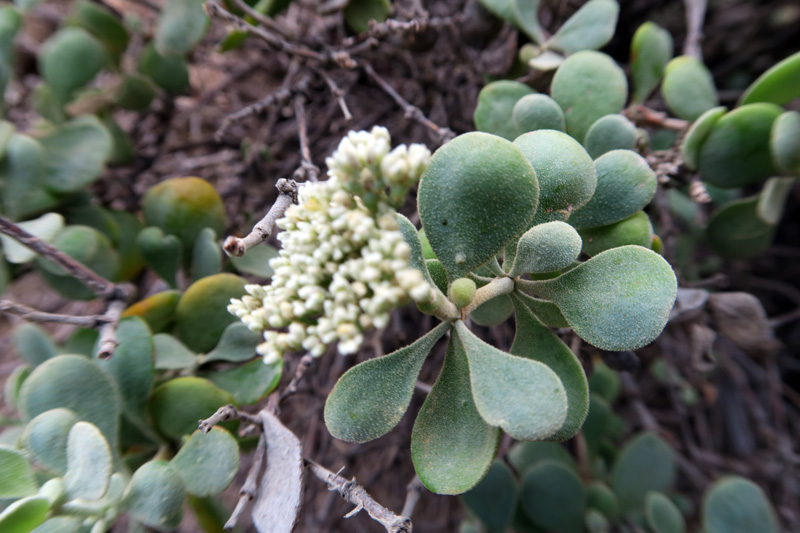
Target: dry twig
[[234, 246], [115, 295]]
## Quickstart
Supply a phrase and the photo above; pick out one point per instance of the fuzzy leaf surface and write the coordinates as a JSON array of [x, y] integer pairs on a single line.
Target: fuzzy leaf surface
[[371, 398], [478, 193], [618, 300], [451, 445], [535, 341], [207, 462], [522, 396]]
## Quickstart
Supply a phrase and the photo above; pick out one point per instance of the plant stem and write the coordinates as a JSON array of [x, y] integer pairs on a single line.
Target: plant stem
[[495, 288]]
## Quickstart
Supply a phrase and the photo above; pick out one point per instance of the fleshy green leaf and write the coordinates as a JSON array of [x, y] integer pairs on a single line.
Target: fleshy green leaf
[[535, 341], [737, 151], [155, 496], [651, 50], [10, 23], [371, 398], [413, 239], [545, 248], [697, 135], [525, 455], [618, 300], [99, 21], [169, 71], [77, 384], [605, 382], [495, 108], [662, 515], [477, 194], [172, 354], [772, 200], [161, 252], [134, 92], [564, 170], [33, 344], [611, 132], [625, 184], [501, 8], [88, 463], [590, 28], [526, 16], [178, 404], [16, 476], [207, 462], [202, 315], [538, 112], [494, 312], [181, 25], [785, 143], [494, 499], [634, 230], [45, 438], [522, 396], [588, 85], [70, 59], [688, 87], [75, 154], [779, 85], [256, 261], [599, 496], [358, 13], [548, 313], [13, 385], [158, 310], [237, 344], [247, 383], [24, 515], [646, 463], [737, 505], [21, 172], [735, 231], [451, 446], [553, 498], [207, 254], [132, 366], [438, 274]]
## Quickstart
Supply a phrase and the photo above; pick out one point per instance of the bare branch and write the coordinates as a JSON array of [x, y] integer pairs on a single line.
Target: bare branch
[[695, 14], [442, 134], [413, 492], [108, 332], [101, 286], [225, 413], [355, 494], [248, 490], [337, 92], [234, 246], [30, 314], [307, 168], [303, 365], [644, 116]]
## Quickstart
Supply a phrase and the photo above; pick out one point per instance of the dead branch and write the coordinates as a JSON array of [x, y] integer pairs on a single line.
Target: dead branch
[[115, 295], [30, 314], [337, 93], [413, 492], [250, 486], [695, 14], [442, 134], [355, 494], [234, 246], [307, 168], [101, 286]]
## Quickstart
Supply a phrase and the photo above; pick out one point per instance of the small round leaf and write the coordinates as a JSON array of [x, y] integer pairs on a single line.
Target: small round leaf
[[538, 112], [625, 184], [785, 143], [155, 496], [553, 498], [779, 85], [588, 85], [651, 50], [646, 463], [495, 107], [16, 475], [634, 230], [611, 132], [618, 300], [88, 462], [45, 438], [494, 499], [697, 135], [477, 194], [545, 248], [208, 462], [737, 505], [178, 404], [662, 515], [688, 87]]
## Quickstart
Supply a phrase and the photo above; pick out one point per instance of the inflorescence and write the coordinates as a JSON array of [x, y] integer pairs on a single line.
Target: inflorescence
[[343, 264]]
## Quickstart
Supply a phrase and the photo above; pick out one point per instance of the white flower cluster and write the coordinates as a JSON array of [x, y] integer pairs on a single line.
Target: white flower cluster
[[365, 166], [342, 266]]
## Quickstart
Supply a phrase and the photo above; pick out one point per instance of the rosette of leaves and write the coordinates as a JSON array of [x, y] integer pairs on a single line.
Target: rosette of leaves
[[484, 198]]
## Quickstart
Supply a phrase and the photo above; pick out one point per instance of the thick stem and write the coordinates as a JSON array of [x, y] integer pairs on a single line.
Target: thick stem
[[497, 287]]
